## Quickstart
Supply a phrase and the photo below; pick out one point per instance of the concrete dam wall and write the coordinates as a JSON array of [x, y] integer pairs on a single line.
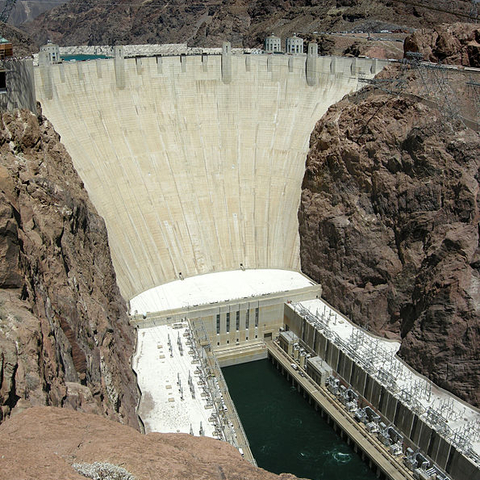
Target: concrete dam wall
[[195, 162]]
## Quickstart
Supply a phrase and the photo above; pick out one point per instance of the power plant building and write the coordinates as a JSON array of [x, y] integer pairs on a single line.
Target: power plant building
[[438, 434]]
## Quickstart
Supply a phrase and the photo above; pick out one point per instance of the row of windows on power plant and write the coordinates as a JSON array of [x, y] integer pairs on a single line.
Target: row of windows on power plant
[[237, 321], [293, 45]]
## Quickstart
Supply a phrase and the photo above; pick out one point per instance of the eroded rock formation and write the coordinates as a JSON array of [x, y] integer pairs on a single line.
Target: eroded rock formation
[[389, 225], [64, 333], [454, 44], [207, 24], [46, 442]]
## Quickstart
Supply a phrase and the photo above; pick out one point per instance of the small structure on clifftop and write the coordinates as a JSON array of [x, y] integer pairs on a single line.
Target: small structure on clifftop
[[6, 48]]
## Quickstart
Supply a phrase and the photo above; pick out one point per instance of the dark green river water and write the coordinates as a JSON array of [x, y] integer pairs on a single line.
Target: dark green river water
[[285, 433]]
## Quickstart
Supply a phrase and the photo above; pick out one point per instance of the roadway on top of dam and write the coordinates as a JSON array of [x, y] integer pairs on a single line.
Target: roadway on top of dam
[[194, 175]]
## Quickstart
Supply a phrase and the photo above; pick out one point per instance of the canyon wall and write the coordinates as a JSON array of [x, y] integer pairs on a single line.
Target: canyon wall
[[65, 338], [245, 24], [389, 225], [452, 44]]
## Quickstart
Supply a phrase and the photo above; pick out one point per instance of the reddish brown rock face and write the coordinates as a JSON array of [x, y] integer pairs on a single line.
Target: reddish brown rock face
[[64, 333], [244, 23], [455, 44], [43, 443], [389, 225]]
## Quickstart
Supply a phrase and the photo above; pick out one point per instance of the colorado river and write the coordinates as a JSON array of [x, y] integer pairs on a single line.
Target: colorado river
[[285, 433]]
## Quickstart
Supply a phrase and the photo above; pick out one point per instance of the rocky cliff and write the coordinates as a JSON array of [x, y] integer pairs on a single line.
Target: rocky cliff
[[389, 225], [65, 339], [207, 23], [46, 443], [25, 10], [456, 44]]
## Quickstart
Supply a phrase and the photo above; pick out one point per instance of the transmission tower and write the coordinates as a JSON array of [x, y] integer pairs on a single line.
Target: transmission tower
[[474, 94], [437, 80], [436, 85]]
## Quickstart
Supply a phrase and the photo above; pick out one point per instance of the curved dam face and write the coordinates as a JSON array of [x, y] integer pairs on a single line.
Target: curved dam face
[[195, 162]]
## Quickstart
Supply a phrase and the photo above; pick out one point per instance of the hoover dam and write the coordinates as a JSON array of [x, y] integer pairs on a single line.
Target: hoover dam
[[196, 162]]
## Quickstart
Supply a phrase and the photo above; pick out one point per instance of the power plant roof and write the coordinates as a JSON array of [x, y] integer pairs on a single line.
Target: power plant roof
[[217, 287]]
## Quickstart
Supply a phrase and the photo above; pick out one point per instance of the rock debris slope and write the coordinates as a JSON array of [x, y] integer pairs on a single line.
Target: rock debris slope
[[43, 443], [389, 225], [208, 23], [64, 333]]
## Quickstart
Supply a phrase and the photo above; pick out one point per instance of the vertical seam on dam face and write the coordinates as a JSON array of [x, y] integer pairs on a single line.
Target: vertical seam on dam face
[[195, 165]]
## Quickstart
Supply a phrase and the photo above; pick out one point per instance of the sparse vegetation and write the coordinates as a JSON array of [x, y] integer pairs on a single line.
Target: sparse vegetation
[[102, 471]]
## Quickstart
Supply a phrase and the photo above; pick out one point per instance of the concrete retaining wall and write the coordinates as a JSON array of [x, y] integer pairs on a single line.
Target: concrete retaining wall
[[20, 91]]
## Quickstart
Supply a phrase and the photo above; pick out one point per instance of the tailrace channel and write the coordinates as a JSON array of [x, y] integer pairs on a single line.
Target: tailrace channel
[[285, 432]]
